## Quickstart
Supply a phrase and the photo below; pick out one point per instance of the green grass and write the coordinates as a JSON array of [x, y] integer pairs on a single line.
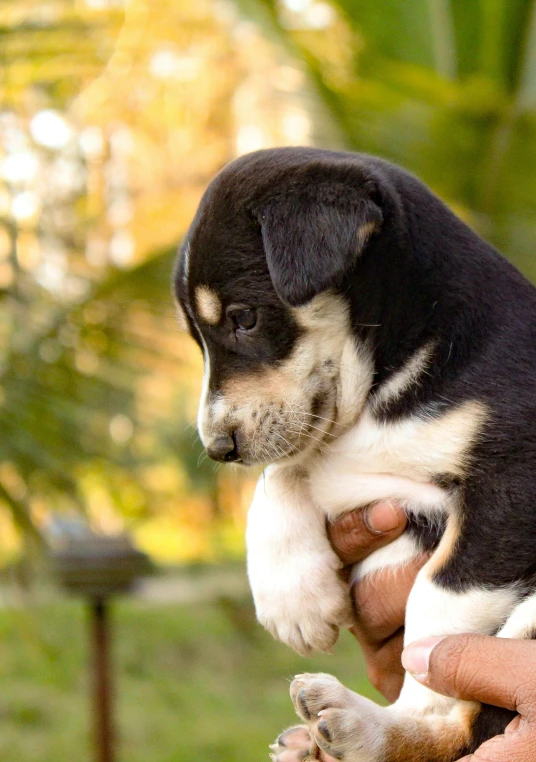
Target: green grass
[[193, 683]]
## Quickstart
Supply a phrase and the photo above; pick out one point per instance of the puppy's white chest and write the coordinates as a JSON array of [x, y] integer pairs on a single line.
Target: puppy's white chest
[[376, 460]]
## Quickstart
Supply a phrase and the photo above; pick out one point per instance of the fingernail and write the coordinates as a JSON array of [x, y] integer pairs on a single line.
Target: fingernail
[[384, 517], [416, 657]]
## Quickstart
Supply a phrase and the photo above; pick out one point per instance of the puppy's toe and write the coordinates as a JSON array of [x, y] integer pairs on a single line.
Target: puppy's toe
[[290, 755], [297, 737], [339, 733], [310, 693], [293, 745], [343, 725]]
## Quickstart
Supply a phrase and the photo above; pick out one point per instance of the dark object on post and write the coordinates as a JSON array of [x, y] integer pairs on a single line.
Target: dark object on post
[[97, 567]]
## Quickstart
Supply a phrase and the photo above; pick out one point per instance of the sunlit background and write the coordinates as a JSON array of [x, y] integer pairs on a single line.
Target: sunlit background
[[114, 116]]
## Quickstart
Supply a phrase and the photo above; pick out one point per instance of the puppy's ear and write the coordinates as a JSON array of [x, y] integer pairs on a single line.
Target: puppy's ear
[[311, 241]]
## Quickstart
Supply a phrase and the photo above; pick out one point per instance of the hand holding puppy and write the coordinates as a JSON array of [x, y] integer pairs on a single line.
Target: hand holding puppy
[[379, 601]]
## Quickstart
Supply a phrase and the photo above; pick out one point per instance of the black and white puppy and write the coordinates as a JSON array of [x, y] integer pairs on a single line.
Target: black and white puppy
[[367, 344]]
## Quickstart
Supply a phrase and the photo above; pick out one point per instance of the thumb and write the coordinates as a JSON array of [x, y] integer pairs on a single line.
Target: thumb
[[496, 671], [356, 534]]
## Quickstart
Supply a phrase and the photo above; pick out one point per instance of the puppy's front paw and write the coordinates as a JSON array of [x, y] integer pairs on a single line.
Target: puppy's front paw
[[304, 604], [342, 724]]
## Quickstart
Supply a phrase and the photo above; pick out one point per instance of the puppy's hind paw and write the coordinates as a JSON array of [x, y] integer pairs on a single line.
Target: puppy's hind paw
[[341, 724], [293, 745]]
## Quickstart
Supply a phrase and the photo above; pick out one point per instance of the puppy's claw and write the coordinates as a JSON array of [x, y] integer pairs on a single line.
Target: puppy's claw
[[306, 714], [323, 729]]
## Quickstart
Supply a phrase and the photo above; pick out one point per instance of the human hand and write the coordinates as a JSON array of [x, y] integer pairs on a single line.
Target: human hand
[[380, 602], [496, 671]]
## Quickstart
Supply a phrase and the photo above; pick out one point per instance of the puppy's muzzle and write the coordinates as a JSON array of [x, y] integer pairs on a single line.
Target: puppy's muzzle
[[224, 449]]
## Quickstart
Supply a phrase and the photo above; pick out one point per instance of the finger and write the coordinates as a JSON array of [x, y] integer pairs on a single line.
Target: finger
[[496, 671], [384, 669], [357, 534], [518, 747], [380, 601]]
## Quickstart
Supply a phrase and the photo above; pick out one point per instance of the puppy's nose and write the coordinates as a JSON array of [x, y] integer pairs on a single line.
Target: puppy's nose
[[223, 449]]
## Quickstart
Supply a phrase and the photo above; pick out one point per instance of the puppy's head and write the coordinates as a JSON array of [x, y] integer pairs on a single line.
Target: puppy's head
[[260, 286]]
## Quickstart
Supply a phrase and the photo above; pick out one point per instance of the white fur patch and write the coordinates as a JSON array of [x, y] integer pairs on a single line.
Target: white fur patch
[[522, 622], [356, 370], [416, 447], [338, 489], [328, 339], [204, 408], [434, 611], [399, 552]]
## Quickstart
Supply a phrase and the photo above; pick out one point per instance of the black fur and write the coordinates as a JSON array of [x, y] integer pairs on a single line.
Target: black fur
[[309, 232], [277, 227]]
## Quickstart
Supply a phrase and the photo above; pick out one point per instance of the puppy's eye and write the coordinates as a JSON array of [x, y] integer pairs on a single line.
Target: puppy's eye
[[244, 320]]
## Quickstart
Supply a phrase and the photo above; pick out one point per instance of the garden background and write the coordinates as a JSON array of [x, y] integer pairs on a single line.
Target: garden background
[[114, 116]]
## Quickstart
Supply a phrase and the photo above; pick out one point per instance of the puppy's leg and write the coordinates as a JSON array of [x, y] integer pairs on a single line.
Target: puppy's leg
[[351, 728], [292, 568]]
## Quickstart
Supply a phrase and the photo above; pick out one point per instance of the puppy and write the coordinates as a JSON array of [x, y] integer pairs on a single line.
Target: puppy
[[364, 342]]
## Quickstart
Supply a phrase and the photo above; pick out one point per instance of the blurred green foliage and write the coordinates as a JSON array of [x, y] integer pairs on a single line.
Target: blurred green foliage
[[99, 114], [446, 88], [113, 119]]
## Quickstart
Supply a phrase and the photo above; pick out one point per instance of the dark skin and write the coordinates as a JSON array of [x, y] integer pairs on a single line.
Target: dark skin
[[380, 603]]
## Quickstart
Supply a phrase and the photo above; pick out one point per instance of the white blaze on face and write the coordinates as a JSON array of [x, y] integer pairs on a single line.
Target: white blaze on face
[[203, 410]]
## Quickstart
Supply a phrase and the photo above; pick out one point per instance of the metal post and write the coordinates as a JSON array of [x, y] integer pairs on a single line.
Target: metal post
[[102, 693]]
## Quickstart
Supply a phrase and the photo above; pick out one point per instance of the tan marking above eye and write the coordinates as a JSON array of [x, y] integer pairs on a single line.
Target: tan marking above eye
[[208, 305]]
